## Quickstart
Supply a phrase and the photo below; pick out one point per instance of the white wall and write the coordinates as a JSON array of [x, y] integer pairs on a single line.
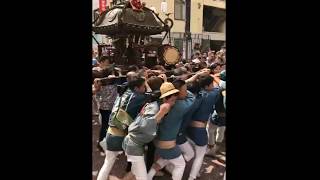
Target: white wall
[[95, 4]]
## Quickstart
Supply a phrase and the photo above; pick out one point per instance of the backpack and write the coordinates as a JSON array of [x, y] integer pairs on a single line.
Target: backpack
[[119, 116]]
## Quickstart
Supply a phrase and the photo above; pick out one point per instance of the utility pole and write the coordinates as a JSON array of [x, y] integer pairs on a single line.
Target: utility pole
[[187, 34]]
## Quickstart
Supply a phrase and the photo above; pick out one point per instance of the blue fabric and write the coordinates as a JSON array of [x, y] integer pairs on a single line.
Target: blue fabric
[[169, 153], [144, 128], [114, 143], [132, 148], [170, 125], [207, 107], [209, 99], [198, 135], [137, 102], [181, 138]]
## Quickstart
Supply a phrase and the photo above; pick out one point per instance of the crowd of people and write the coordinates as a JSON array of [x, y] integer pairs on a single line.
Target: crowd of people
[[160, 117]]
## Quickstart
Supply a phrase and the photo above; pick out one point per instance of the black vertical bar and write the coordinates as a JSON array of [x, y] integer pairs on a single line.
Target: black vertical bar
[[188, 9], [187, 27]]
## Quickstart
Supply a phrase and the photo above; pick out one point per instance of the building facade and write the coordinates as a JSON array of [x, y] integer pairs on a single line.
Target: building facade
[[207, 23]]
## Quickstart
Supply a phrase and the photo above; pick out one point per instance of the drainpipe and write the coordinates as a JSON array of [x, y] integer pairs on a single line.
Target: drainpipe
[[187, 28]]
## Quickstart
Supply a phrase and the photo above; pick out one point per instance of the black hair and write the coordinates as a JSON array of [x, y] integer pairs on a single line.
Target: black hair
[[168, 97], [169, 73], [155, 83], [136, 83], [205, 81], [178, 83], [171, 79], [150, 62], [203, 65], [133, 68], [213, 66], [177, 72], [195, 68], [194, 87]]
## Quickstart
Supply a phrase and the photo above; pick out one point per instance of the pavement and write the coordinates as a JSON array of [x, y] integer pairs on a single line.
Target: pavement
[[211, 169]]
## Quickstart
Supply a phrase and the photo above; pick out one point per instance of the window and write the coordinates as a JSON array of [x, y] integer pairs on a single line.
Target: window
[[205, 44], [178, 43], [179, 9], [213, 19]]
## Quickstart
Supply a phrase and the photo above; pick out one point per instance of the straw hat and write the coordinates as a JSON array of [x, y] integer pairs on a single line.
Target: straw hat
[[167, 89]]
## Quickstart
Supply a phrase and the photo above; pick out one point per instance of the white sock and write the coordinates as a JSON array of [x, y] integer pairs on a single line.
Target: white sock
[[151, 173]]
